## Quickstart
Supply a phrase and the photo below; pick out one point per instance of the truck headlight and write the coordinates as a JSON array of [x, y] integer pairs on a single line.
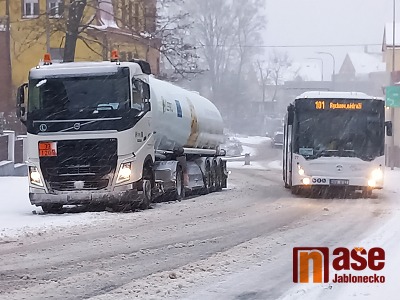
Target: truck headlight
[[376, 175], [34, 176], [125, 172]]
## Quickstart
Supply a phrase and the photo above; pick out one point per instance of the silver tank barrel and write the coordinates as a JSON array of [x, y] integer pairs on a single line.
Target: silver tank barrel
[[183, 118]]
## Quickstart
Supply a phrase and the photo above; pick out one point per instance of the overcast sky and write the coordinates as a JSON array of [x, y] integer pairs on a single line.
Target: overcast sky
[[327, 22]]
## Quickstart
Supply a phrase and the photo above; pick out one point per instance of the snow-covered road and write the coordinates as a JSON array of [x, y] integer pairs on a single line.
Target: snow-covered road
[[236, 244]]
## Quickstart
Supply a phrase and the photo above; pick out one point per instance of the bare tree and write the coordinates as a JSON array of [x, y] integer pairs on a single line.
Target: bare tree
[[174, 26], [228, 35], [214, 32], [265, 77], [278, 64], [73, 27]]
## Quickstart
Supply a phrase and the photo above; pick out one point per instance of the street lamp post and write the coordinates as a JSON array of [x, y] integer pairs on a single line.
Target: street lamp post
[[334, 63], [322, 65]]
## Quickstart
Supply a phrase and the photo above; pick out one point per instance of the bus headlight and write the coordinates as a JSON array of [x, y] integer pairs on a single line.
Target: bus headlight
[[371, 183], [300, 170], [306, 181], [34, 176], [125, 172], [376, 175]]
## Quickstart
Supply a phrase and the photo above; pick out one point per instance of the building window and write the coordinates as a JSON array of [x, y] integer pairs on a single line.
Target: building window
[[30, 8], [55, 8]]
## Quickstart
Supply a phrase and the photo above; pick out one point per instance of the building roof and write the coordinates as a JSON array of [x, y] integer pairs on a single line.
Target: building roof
[[388, 35], [365, 63], [304, 70], [106, 15]]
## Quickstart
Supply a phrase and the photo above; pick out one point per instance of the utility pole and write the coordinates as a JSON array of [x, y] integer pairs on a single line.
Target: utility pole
[[8, 53], [333, 66], [47, 29]]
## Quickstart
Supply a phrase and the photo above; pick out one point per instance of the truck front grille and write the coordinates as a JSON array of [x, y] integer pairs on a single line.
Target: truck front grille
[[80, 164], [76, 185]]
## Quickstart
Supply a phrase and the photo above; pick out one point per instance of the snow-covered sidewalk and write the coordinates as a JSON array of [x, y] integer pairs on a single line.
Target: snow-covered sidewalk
[[16, 212], [386, 236]]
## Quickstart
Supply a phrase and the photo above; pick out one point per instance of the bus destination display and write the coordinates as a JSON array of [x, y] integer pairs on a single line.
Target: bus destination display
[[333, 105]]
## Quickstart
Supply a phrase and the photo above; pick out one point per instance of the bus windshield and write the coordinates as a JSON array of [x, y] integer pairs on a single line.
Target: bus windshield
[[340, 133]]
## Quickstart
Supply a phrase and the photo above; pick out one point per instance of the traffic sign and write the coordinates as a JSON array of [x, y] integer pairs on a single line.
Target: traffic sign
[[393, 96]]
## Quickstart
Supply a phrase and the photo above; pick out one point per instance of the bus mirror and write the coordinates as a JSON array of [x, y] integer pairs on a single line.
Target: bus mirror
[[290, 114], [389, 128]]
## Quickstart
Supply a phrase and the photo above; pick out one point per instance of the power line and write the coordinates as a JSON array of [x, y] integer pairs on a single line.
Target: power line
[[291, 46]]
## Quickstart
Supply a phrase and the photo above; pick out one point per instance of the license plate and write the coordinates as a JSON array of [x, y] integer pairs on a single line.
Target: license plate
[[47, 149], [339, 182]]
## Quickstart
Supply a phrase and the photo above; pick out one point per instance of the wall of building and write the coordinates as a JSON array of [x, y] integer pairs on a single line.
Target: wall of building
[[29, 36]]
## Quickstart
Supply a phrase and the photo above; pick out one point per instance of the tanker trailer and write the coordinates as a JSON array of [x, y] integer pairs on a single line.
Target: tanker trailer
[[188, 133], [109, 133]]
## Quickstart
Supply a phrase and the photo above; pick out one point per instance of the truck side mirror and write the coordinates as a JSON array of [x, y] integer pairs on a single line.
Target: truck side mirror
[[290, 111], [146, 91], [147, 106], [389, 128], [21, 110]]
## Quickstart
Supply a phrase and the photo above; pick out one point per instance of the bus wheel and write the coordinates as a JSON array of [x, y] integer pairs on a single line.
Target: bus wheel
[[52, 208], [295, 190], [366, 193]]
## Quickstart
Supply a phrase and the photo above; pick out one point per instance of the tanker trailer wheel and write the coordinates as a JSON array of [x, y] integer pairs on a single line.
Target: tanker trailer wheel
[[218, 177], [207, 179], [214, 176], [179, 191]]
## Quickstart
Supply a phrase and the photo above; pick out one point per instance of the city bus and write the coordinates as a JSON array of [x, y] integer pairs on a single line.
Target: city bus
[[335, 139]]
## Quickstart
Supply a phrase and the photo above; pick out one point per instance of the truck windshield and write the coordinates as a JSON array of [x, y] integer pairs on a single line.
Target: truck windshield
[[344, 133], [58, 96]]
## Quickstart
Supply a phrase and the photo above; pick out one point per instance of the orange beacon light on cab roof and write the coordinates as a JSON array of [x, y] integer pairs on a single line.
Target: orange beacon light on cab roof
[[47, 59], [114, 56]]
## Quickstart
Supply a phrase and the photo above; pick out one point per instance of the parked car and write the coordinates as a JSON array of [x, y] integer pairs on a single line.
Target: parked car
[[277, 140], [233, 147]]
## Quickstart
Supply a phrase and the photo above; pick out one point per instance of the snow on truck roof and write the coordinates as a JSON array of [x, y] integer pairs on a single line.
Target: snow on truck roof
[[336, 95], [80, 68]]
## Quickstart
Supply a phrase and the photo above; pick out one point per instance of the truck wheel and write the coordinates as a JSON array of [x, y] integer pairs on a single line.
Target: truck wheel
[[179, 193], [148, 185], [52, 208], [147, 195]]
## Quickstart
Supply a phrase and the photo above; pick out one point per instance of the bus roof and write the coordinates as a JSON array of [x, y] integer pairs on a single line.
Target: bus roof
[[336, 95]]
